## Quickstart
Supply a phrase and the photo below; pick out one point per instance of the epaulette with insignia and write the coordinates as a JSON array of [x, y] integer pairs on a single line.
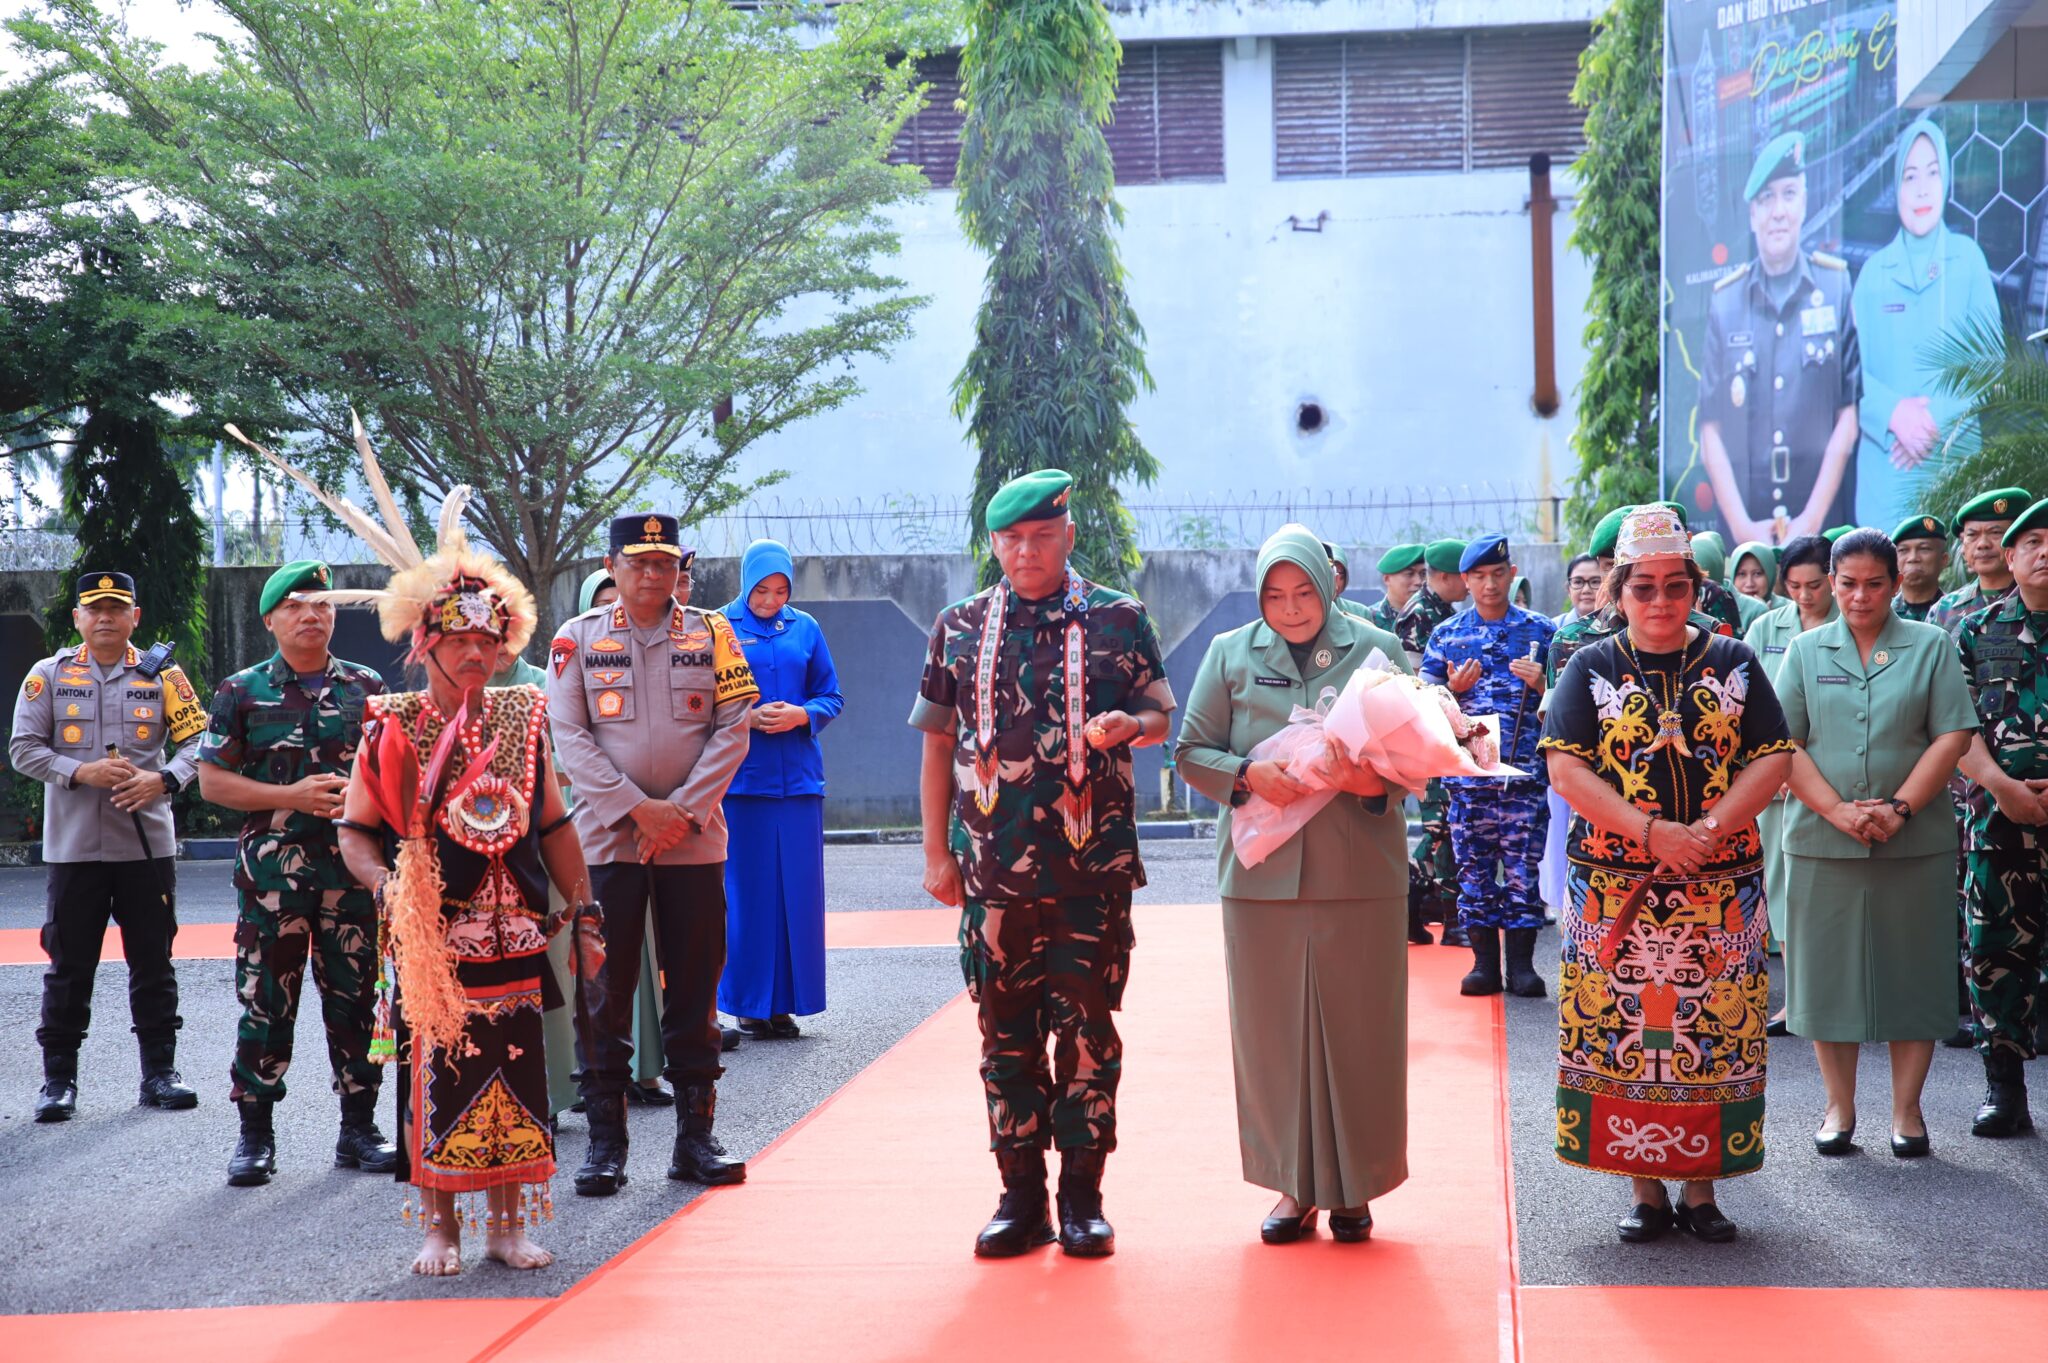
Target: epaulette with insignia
[[1828, 262], [1737, 273]]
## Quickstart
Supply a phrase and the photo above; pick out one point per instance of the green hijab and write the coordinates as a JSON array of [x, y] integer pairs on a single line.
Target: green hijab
[[1298, 545], [1766, 557], [586, 595]]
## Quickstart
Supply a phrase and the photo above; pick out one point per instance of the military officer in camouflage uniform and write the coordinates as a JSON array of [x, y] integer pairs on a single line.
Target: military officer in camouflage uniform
[[2004, 649], [1432, 869], [279, 745], [647, 704], [1340, 566], [1492, 658], [113, 743], [1780, 370], [1401, 571], [1922, 542], [1979, 528], [1030, 828]]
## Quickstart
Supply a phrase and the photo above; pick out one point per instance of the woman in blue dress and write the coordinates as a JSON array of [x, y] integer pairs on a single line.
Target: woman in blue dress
[[775, 808], [1926, 283]]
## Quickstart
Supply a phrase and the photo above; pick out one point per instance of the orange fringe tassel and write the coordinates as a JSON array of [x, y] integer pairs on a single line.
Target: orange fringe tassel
[[436, 1009]]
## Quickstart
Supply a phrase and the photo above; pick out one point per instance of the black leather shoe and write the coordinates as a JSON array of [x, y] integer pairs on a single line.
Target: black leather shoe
[[1911, 1147], [1645, 1222], [255, 1157], [603, 1171], [698, 1157], [761, 1029], [1484, 977], [1962, 1039], [1285, 1230], [728, 1038], [364, 1147], [1835, 1142], [57, 1101], [650, 1095], [165, 1089], [1777, 1027], [1704, 1222], [783, 1027], [1350, 1230], [1022, 1221], [1084, 1232], [2005, 1098]]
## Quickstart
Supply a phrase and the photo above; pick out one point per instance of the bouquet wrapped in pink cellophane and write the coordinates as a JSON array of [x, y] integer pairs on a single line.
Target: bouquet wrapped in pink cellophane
[[1407, 731]]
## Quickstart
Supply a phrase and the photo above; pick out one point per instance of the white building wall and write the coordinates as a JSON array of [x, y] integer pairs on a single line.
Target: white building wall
[[1407, 316]]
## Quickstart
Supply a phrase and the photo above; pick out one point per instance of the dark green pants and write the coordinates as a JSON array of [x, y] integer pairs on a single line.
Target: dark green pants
[[275, 935], [1433, 867], [2005, 890], [1049, 971]]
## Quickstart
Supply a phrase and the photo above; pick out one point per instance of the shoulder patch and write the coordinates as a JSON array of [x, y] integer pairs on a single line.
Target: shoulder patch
[[1829, 262], [32, 686], [1739, 272], [561, 652]]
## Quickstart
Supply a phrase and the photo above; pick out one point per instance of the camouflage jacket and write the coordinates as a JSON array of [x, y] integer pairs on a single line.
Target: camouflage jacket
[[1907, 610], [1019, 848], [1423, 613], [1960, 604], [1718, 601], [2007, 668], [264, 726], [1384, 615]]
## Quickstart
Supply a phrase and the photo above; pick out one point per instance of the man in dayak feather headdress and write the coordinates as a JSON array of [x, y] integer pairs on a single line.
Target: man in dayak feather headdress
[[456, 776]]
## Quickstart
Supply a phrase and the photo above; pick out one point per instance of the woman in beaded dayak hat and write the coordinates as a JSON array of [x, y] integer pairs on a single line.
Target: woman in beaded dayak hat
[[455, 777]]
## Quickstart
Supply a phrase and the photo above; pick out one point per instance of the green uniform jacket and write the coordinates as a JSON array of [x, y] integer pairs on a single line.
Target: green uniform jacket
[[1243, 694], [1772, 633], [1865, 727]]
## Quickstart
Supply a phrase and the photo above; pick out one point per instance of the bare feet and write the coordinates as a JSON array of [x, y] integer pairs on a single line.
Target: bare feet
[[441, 1255], [514, 1250]]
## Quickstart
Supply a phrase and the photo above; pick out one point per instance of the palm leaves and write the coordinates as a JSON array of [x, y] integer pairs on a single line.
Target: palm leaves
[[2002, 438]]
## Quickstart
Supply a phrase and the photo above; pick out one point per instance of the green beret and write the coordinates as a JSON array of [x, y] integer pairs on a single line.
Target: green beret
[[1442, 555], [306, 575], [1606, 532], [1783, 155], [1039, 495], [1708, 553], [1999, 504], [1836, 533], [1919, 528], [1400, 558], [1336, 556], [2034, 517]]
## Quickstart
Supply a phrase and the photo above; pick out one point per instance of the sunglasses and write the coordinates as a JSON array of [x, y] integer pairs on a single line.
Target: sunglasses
[[1671, 589]]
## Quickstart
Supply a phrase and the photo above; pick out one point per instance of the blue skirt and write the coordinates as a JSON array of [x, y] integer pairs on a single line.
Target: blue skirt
[[775, 906]]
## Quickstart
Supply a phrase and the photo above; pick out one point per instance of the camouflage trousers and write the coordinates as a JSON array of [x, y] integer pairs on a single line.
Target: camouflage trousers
[[274, 935], [1049, 971], [2006, 920], [1498, 835], [1432, 868]]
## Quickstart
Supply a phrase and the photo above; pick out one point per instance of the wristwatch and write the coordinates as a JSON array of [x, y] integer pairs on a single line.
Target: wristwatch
[[171, 783], [1713, 824], [1240, 788], [1905, 810]]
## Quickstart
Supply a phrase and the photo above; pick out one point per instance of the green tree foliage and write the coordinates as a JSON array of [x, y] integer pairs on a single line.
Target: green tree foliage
[[1619, 178], [2003, 377], [1058, 353], [554, 249]]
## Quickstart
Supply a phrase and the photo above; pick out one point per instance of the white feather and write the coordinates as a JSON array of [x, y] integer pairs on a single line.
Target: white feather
[[352, 515], [380, 491], [450, 536]]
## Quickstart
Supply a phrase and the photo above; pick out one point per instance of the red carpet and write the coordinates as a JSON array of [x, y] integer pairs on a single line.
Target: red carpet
[[359, 1332]]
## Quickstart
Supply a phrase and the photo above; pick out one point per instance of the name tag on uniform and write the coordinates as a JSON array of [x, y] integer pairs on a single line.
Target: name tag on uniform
[[1738, 338], [1774, 648], [1895, 307], [1818, 321], [1272, 681], [1832, 681]]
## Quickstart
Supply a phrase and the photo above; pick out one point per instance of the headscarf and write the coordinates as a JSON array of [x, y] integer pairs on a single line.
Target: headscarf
[[1298, 545], [763, 559], [1707, 552], [1921, 251], [1766, 557], [597, 581]]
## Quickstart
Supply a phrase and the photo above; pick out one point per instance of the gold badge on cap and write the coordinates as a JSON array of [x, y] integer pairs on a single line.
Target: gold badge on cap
[[1927, 522], [106, 584], [1999, 506], [653, 527]]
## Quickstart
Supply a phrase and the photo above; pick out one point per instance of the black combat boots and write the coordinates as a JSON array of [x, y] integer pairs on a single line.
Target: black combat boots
[[1523, 981], [698, 1157], [59, 1096], [1083, 1232], [162, 1086], [255, 1157], [1021, 1221], [361, 1145], [2005, 1098], [604, 1167], [1485, 974], [1418, 919]]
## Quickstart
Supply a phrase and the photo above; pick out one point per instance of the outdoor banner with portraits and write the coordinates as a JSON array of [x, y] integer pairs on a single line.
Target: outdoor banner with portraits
[[1819, 245]]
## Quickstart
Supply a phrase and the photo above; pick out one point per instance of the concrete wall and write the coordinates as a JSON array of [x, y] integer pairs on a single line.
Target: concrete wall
[[875, 612]]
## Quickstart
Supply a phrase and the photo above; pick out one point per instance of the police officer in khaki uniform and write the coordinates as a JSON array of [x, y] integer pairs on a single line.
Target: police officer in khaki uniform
[[648, 701], [72, 709]]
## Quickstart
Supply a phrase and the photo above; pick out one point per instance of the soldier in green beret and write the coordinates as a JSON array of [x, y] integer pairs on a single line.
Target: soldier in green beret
[[1433, 869], [280, 742], [1922, 542], [1030, 829], [1780, 369], [1401, 571], [2004, 650], [1979, 527], [1833, 533]]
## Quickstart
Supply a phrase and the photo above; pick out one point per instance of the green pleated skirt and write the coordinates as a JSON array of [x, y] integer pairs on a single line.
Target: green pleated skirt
[[1870, 947]]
